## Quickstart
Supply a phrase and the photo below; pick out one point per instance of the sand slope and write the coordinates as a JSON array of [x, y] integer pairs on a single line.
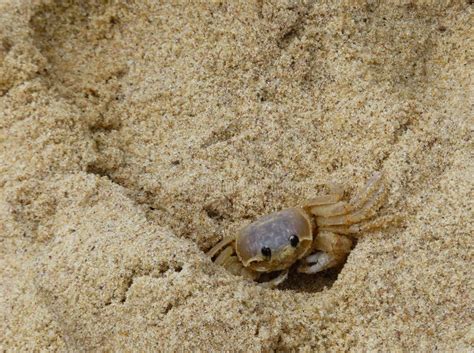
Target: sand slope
[[134, 136]]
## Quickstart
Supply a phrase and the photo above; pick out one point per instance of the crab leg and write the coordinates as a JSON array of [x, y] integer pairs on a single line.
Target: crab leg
[[234, 266], [321, 261], [332, 247], [354, 229], [224, 256], [359, 199], [343, 207], [332, 243], [350, 218], [335, 209], [219, 246], [276, 281], [334, 196]]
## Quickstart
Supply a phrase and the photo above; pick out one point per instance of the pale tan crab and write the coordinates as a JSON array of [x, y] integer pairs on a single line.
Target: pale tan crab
[[318, 234]]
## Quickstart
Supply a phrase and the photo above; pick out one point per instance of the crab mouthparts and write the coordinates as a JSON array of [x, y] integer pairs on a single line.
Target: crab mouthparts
[[253, 261]]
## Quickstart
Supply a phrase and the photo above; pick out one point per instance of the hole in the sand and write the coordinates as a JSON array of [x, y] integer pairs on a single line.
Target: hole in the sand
[[104, 126], [300, 282], [218, 209], [167, 308], [288, 37], [213, 213], [170, 267], [97, 170], [309, 283], [113, 20], [128, 284], [163, 269], [7, 44]]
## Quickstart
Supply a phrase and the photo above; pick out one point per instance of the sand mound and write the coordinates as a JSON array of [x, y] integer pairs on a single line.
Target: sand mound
[[134, 136]]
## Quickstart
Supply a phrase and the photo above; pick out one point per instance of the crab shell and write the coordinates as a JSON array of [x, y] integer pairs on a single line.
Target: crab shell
[[274, 231]]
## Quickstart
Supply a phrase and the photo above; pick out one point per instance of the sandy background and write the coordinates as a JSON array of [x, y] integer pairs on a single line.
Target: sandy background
[[134, 136]]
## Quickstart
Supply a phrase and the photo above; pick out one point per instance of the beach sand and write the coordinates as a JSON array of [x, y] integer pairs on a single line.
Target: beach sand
[[136, 135]]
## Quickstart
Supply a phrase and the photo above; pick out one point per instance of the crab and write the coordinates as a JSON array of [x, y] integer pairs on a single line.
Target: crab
[[317, 235]]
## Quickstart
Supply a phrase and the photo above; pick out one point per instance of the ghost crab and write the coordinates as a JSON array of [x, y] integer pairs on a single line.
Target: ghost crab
[[318, 234]]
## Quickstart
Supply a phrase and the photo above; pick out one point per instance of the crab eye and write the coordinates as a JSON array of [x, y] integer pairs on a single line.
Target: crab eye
[[266, 251], [294, 240]]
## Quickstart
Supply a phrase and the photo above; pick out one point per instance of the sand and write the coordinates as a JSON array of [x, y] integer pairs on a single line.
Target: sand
[[135, 135]]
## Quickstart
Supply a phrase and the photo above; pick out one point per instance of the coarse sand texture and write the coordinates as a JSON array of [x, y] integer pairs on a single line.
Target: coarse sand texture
[[134, 135]]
